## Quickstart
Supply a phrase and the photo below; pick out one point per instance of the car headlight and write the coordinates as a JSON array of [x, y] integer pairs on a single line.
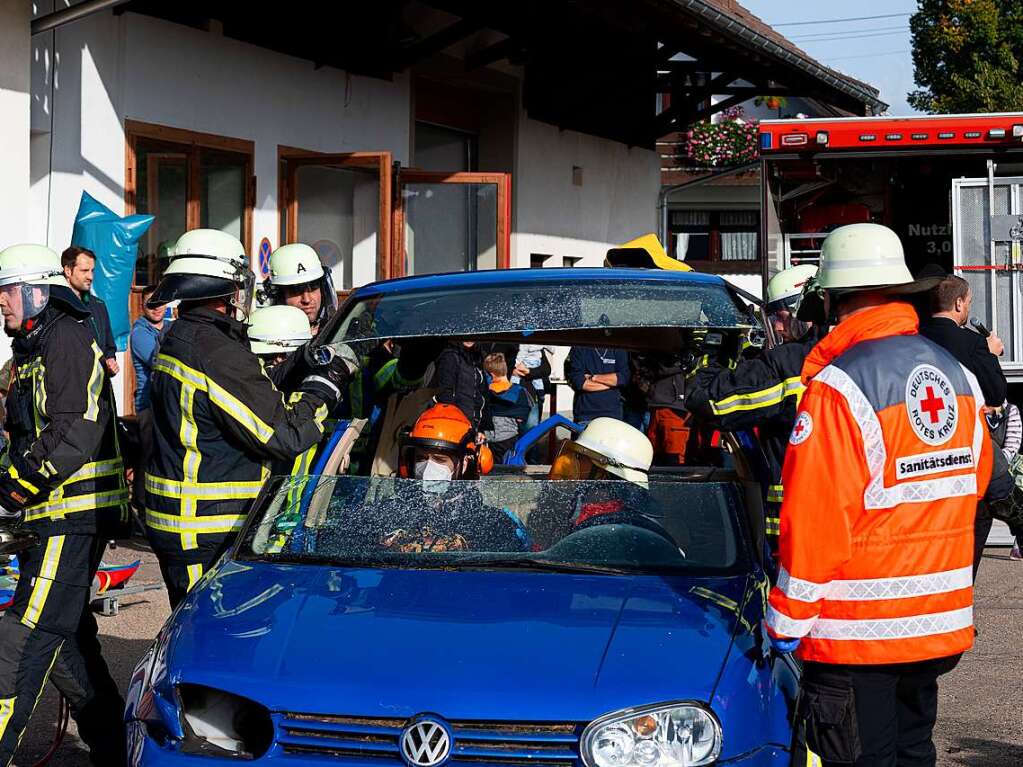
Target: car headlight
[[662, 735], [219, 723]]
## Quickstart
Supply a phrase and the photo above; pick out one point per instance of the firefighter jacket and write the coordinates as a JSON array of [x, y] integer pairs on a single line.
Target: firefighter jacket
[[761, 392], [218, 423], [65, 469], [886, 462]]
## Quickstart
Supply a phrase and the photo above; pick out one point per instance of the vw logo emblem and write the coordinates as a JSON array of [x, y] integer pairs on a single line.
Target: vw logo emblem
[[425, 742]]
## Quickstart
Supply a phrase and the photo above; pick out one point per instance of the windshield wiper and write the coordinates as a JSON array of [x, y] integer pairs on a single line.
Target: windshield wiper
[[537, 563]]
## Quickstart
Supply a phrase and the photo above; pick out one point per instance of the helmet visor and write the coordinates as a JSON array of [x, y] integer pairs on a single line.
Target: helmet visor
[[243, 299], [576, 463], [21, 301]]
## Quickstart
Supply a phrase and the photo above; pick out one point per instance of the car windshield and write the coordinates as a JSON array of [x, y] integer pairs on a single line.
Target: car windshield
[[526, 308], [610, 527]]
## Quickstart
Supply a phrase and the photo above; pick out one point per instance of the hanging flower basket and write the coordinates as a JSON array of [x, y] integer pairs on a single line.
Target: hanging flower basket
[[728, 142]]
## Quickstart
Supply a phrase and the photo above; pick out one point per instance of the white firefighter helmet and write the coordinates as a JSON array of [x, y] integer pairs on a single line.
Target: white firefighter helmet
[[211, 243], [786, 287], [863, 256], [206, 263], [31, 264], [294, 264], [612, 445], [27, 273], [278, 329]]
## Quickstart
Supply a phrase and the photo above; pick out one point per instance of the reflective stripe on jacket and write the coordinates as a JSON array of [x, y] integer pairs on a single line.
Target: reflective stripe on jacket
[[885, 465], [218, 423], [63, 441]]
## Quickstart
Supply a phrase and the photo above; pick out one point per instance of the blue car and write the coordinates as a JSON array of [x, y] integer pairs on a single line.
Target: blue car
[[519, 619]]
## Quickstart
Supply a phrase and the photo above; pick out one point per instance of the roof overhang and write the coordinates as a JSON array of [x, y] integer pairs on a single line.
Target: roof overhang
[[594, 66]]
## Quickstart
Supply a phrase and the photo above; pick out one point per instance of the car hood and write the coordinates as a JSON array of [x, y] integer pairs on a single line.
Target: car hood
[[464, 644]]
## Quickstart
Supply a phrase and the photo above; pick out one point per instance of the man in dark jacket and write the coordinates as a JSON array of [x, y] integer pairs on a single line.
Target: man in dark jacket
[[597, 376], [218, 420], [950, 302], [64, 471], [458, 375], [79, 266], [762, 391]]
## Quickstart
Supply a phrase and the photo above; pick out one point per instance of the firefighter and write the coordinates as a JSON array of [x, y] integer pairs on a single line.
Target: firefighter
[[218, 419], [297, 278], [277, 331], [62, 470], [886, 462], [762, 391]]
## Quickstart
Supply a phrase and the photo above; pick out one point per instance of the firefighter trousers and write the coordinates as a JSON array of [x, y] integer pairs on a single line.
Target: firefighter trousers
[[870, 716], [181, 576], [38, 642]]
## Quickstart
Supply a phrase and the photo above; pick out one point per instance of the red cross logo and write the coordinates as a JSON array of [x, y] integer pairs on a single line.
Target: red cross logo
[[932, 405], [802, 429]]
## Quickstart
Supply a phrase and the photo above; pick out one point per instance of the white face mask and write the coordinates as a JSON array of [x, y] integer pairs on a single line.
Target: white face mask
[[435, 476]]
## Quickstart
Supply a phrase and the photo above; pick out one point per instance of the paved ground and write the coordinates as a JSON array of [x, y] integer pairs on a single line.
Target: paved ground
[[980, 723]]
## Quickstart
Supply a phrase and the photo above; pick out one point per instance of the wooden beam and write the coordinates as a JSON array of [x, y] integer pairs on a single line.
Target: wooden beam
[[437, 42], [711, 109], [499, 51]]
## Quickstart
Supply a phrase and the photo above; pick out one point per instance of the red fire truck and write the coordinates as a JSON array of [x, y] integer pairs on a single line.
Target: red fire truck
[[950, 185]]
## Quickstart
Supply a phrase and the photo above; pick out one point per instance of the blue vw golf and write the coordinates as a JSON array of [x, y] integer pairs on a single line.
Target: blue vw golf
[[504, 629]]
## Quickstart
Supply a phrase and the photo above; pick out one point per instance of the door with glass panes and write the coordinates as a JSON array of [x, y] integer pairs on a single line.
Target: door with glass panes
[[452, 222], [342, 205], [187, 181]]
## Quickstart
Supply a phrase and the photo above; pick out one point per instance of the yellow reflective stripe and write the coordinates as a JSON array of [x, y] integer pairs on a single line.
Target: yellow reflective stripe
[[86, 502], [194, 525], [214, 491], [793, 385], [812, 760], [97, 469], [772, 525], [6, 709], [180, 371], [235, 408], [775, 493], [13, 472], [189, 434], [95, 386], [47, 469], [749, 401], [194, 574], [382, 376], [772, 395], [43, 581]]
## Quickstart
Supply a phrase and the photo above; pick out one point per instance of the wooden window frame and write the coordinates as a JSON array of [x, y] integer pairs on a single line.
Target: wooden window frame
[[290, 159], [714, 263], [191, 142], [501, 180]]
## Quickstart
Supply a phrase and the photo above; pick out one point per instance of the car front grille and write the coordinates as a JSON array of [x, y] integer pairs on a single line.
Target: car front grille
[[547, 744]]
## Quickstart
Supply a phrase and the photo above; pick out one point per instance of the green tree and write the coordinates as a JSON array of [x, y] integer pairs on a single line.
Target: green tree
[[967, 56]]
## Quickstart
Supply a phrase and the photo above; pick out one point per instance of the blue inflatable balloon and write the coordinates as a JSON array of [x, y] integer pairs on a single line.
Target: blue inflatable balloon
[[114, 239]]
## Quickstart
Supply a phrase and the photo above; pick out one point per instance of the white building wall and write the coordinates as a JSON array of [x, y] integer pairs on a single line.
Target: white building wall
[[112, 68], [615, 202], [90, 76], [15, 18]]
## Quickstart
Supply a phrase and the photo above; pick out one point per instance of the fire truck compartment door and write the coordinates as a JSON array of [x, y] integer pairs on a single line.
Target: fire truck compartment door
[[987, 241]]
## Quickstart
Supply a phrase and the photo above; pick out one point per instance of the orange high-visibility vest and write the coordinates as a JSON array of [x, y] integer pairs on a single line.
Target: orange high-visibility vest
[[886, 462]]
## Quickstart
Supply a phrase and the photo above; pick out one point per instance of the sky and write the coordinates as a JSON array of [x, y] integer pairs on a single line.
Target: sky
[[876, 51]]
